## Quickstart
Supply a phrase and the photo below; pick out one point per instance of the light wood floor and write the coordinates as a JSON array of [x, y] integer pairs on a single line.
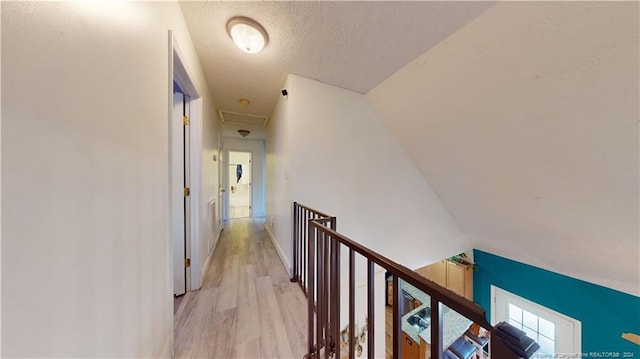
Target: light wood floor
[[247, 308]]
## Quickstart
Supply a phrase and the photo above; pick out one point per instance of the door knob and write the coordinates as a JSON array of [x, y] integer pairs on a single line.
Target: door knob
[[223, 190]]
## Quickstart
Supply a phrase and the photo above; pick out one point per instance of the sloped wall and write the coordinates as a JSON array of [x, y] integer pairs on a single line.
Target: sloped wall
[[343, 161], [525, 122]]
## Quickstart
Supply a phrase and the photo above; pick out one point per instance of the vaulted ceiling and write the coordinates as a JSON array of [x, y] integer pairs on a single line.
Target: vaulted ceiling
[[525, 122], [519, 115]]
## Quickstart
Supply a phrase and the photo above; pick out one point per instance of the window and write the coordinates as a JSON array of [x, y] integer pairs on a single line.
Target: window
[[539, 329], [553, 331]]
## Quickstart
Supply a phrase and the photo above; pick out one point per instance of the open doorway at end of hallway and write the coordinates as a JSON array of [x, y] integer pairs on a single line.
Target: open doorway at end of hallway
[[239, 184]]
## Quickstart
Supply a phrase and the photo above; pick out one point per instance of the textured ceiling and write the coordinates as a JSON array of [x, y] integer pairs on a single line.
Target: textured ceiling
[[354, 45]]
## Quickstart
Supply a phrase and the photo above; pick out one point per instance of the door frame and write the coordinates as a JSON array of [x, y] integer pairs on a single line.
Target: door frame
[[179, 170], [225, 176], [221, 189], [179, 73], [577, 324], [228, 185]]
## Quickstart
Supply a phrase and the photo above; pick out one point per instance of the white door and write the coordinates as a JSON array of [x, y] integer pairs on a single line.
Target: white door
[[239, 180], [553, 331], [179, 203], [186, 146], [221, 188]]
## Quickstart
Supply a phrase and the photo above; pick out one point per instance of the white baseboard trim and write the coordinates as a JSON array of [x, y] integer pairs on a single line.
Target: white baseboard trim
[[283, 258], [207, 263], [177, 316]]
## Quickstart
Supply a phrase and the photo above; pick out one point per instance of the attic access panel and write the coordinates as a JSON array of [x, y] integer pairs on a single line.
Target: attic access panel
[[243, 119]]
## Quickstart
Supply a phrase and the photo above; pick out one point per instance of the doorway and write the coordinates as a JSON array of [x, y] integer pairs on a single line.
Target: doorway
[[180, 198], [240, 175], [553, 331]]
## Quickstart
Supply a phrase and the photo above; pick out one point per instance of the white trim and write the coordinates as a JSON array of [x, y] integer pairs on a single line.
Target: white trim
[[222, 112], [180, 74], [227, 194], [258, 172], [169, 238], [577, 325], [183, 304], [207, 262], [195, 179], [283, 258]]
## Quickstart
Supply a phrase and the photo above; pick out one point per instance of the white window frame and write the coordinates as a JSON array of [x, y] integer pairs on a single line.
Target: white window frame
[[541, 311]]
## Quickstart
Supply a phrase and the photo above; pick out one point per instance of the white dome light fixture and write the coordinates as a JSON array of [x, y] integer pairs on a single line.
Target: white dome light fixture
[[247, 34]]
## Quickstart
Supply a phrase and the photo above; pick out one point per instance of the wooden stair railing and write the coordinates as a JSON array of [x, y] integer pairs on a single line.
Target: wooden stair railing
[[317, 250]]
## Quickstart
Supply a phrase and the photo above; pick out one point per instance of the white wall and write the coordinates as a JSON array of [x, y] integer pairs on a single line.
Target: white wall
[[344, 162], [85, 237], [526, 124], [278, 187], [327, 149], [256, 147]]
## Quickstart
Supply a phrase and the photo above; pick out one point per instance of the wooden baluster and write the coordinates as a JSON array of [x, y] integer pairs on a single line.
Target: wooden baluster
[[296, 239], [336, 296], [310, 284], [370, 309], [305, 248], [319, 293], [436, 329], [325, 305], [397, 328], [352, 303]]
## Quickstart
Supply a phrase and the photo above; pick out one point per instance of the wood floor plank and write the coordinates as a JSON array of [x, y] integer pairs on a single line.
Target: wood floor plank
[[273, 341], [247, 307], [293, 308], [248, 348]]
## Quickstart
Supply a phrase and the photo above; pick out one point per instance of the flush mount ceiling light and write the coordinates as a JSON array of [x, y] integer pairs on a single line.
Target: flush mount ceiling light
[[247, 34], [244, 133], [244, 102]]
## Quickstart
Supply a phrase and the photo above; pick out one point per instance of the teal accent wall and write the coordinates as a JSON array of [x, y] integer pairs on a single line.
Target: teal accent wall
[[605, 313]]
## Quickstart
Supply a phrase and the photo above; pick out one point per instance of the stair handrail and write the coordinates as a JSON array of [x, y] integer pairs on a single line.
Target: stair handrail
[[316, 237]]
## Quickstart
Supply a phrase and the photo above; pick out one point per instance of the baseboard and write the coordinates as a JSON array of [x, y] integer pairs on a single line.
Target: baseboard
[[178, 315], [207, 263], [283, 258]]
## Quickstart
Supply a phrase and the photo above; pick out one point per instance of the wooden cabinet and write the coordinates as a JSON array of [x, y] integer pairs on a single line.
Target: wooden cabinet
[[410, 348], [456, 277], [436, 272], [460, 279], [425, 350], [388, 330]]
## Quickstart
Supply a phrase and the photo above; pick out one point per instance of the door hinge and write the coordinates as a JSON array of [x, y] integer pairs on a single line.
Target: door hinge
[[186, 191], [187, 262], [185, 121]]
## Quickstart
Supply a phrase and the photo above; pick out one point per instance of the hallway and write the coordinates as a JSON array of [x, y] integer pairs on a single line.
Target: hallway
[[247, 307]]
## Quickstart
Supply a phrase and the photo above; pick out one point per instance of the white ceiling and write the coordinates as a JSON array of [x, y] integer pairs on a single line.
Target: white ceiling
[[525, 123], [354, 45]]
